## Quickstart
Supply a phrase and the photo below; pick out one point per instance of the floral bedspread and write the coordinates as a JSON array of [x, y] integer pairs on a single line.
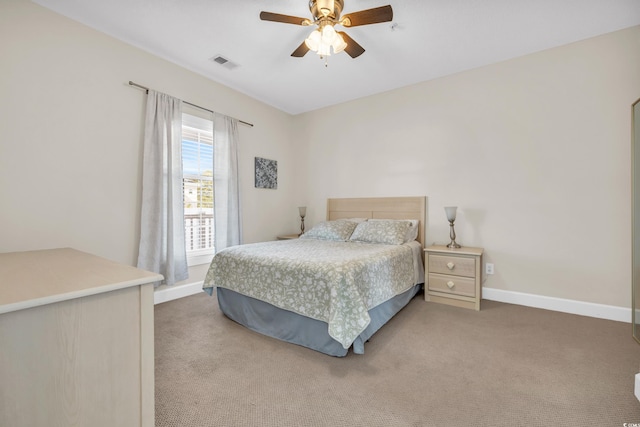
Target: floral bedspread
[[335, 282]]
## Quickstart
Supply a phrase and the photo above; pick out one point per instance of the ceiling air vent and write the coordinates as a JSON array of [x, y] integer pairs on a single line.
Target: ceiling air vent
[[221, 60]]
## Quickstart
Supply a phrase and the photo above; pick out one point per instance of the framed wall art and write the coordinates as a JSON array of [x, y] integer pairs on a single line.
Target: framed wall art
[[266, 173]]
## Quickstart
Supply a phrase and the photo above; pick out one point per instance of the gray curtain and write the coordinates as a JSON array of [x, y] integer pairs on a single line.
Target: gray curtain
[[162, 246], [226, 188]]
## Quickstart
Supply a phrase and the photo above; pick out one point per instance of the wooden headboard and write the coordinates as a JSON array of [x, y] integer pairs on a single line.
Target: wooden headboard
[[381, 208]]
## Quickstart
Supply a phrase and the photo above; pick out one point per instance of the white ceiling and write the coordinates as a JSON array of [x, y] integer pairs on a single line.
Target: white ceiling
[[426, 39]]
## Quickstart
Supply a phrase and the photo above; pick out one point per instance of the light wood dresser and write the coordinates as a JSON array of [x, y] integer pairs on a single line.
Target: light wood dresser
[[76, 341], [453, 276]]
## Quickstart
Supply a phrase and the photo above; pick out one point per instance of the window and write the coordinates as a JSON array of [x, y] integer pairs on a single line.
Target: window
[[197, 182]]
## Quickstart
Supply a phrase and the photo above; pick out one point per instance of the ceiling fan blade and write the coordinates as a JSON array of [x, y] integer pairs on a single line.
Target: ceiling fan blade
[[287, 19], [353, 49], [300, 51], [369, 16]]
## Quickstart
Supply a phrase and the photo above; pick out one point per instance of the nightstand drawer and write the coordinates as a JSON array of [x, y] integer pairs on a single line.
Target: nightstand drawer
[[456, 265], [452, 285]]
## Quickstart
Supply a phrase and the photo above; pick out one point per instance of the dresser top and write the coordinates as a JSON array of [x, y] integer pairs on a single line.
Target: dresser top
[[34, 278], [465, 250]]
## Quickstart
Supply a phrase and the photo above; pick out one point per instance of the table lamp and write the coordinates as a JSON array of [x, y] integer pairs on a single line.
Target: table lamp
[[303, 212], [451, 217]]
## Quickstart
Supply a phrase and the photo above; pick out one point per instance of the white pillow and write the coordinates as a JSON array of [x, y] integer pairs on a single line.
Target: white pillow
[[387, 232], [412, 233], [339, 230]]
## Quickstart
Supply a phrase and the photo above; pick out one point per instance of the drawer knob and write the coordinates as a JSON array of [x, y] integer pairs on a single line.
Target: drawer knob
[[450, 265], [450, 284]]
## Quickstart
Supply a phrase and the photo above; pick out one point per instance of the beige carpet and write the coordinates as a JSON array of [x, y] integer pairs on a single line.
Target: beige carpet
[[432, 365]]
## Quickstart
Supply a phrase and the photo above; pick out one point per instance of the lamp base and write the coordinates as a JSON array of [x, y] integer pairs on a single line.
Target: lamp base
[[452, 236]]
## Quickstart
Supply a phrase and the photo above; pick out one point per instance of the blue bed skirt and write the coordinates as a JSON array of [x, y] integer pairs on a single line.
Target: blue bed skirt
[[294, 328]]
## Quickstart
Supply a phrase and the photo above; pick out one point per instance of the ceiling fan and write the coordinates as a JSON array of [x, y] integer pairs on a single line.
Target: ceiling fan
[[326, 14]]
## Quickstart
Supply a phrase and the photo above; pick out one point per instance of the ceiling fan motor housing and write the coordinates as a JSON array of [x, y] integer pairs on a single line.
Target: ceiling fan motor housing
[[326, 8]]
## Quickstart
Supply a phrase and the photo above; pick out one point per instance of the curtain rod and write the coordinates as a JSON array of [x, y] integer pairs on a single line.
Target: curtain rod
[[188, 103]]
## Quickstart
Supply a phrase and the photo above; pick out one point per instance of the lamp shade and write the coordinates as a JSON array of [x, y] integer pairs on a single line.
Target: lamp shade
[[328, 34], [302, 210], [338, 44], [313, 41], [324, 49], [451, 213]]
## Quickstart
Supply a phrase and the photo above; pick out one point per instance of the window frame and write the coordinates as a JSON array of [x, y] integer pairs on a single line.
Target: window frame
[[200, 125]]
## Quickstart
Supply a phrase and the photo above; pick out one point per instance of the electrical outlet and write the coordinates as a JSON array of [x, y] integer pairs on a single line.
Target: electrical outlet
[[488, 268]]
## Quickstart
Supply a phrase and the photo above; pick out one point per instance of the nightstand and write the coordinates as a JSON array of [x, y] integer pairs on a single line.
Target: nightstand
[[288, 237], [453, 276]]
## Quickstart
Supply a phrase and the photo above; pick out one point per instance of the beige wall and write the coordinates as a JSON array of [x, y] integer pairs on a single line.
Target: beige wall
[[534, 151], [71, 137]]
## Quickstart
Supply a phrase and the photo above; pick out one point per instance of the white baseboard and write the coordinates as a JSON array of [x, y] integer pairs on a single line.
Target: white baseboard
[[168, 293], [582, 308]]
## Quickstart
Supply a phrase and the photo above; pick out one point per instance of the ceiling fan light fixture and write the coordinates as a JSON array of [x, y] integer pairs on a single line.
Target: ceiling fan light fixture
[[338, 44], [323, 41], [314, 40], [328, 34], [324, 50]]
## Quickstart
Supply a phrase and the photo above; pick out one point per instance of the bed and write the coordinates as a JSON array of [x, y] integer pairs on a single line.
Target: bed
[[334, 287]]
